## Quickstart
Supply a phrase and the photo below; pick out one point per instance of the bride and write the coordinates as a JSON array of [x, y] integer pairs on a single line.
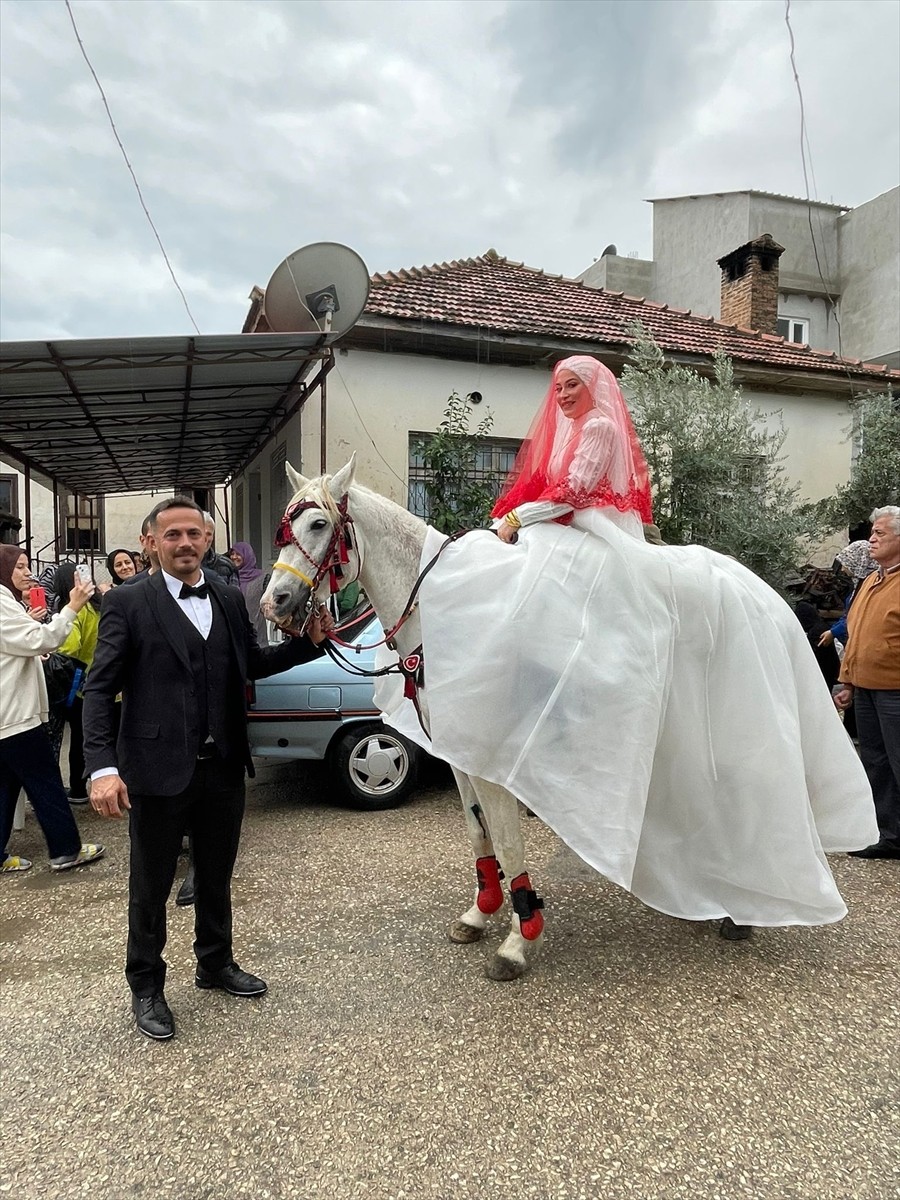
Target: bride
[[658, 706]]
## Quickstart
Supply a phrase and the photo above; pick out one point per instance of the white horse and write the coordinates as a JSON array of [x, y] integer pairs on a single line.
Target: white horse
[[685, 743], [384, 555]]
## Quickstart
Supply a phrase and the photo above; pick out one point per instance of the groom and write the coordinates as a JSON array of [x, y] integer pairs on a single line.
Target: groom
[[179, 649]]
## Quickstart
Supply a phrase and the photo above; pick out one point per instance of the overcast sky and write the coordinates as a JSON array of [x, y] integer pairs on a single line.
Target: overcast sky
[[415, 131]]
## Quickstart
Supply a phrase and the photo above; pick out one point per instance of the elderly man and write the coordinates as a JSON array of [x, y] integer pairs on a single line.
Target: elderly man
[[870, 673], [219, 565]]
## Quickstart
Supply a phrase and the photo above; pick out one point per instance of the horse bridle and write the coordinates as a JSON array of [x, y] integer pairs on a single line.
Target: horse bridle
[[335, 558]]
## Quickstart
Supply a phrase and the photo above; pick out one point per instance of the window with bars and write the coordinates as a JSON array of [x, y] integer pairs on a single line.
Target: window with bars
[[82, 522], [494, 458], [9, 494], [278, 485], [239, 512]]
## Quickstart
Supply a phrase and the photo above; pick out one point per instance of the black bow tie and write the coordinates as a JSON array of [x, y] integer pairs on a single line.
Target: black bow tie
[[201, 591]]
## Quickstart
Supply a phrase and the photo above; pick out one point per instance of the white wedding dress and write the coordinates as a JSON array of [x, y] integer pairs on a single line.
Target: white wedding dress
[[659, 707]]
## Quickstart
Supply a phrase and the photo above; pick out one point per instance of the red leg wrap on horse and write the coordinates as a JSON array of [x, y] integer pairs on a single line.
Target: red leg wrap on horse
[[490, 893], [527, 905]]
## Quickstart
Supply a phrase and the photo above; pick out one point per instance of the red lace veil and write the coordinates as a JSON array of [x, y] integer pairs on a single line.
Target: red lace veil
[[554, 465]]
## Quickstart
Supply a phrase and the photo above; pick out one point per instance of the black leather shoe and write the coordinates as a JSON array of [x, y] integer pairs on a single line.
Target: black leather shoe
[[185, 895], [882, 849], [231, 979], [154, 1017], [734, 933]]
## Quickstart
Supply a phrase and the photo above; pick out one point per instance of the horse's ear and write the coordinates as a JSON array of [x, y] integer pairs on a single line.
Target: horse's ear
[[298, 481], [342, 479]]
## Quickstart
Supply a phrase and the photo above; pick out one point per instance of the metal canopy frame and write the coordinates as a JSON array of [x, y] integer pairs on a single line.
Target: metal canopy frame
[[150, 414]]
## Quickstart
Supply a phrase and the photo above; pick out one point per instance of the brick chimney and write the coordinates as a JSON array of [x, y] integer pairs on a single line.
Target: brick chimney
[[750, 284]]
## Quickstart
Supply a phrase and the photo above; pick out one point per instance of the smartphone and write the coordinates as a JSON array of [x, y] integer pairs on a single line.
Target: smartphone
[[37, 597], [83, 573]]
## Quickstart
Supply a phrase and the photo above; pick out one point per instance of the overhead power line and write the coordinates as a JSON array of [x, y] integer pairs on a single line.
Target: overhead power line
[[130, 168], [804, 150]]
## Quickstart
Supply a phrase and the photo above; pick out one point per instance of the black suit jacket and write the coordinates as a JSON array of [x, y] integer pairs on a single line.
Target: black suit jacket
[[142, 653]]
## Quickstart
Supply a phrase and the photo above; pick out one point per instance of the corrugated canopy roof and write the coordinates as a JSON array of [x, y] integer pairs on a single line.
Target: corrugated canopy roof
[[151, 413]]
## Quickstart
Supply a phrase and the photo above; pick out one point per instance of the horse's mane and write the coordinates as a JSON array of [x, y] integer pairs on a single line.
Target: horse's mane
[[389, 516], [319, 493]]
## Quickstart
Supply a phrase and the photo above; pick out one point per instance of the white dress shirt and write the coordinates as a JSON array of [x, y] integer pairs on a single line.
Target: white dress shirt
[[197, 611]]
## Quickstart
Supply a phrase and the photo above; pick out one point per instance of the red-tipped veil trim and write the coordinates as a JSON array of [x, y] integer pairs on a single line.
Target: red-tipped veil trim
[[594, 460]]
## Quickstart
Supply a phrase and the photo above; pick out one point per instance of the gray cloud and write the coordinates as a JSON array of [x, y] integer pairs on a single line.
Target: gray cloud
[[414, 132]]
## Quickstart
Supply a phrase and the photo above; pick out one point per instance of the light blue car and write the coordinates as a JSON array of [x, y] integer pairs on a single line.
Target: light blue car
[[318, 711]]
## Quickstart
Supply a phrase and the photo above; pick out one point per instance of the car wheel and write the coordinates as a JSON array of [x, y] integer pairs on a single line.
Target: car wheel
[[376, 767]]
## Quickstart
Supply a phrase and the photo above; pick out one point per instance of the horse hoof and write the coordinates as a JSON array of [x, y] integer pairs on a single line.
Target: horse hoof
[[463, 934], [502, 970]]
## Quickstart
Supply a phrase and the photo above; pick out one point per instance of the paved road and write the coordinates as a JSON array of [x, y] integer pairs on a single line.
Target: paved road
[[642, 1056]]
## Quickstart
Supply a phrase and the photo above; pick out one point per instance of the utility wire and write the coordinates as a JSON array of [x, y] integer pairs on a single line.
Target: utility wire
[[804, 147], [129, 166], [365, 427]]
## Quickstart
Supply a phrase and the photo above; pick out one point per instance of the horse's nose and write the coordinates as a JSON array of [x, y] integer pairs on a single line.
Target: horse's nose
[[281, 598]]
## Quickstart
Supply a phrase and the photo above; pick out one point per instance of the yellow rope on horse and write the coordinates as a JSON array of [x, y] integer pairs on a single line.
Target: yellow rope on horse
[[280, 566]]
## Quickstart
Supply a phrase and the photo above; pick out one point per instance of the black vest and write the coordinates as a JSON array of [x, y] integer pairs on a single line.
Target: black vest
[[214, 671]]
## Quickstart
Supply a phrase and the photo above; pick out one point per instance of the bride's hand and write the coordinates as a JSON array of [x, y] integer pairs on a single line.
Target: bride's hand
[[506, 533]]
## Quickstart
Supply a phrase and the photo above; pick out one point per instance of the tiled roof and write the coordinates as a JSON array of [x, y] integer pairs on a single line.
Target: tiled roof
[[490, 292]]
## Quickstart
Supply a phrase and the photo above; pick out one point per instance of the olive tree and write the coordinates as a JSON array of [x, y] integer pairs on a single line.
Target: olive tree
[[716, 466], [456, 498], [875, 471]]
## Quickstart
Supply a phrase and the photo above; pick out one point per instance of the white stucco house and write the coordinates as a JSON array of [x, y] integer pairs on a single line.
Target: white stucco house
[[490, 329]]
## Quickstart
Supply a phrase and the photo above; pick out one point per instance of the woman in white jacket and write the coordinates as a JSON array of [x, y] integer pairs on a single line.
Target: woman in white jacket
[[26, 759]]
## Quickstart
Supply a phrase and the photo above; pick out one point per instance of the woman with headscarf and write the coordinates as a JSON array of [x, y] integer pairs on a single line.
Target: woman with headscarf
[[244, 559], [26, 758], [252, 583], [657, 706], [121, 565], [581, 454], [856, 561]]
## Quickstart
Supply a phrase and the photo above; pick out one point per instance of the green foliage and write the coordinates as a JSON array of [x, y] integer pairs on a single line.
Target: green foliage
[[875, 473], [715, 465], [455, 499]]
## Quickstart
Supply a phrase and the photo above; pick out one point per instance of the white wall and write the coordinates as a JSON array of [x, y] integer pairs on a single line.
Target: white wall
[[689, 235], [817, 448], [393, 394], [869, 239], [396, 393]]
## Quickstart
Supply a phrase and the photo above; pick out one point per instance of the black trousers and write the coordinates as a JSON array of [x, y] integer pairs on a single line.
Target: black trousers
[[212, 806], [878, 726], [77, 784], [27, 761]]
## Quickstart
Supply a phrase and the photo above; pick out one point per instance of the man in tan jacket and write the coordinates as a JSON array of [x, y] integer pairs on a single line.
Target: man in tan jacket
[[870, 673]]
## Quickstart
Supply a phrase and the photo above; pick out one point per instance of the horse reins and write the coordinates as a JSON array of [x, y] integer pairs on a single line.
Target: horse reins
[[336, 556]]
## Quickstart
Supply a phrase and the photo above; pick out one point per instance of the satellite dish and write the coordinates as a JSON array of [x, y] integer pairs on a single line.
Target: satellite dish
[[610, 249], [320, 288]]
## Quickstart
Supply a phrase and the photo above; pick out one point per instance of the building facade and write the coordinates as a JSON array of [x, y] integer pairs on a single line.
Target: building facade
[[839, 274]]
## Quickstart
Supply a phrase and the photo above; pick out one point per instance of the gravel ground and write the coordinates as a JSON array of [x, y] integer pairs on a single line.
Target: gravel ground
[[641, 1056]]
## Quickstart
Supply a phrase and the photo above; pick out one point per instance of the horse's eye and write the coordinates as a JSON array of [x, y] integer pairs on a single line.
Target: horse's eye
[[319, 523]]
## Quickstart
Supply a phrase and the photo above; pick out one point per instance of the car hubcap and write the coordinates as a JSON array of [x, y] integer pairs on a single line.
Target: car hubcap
[[378, 765]]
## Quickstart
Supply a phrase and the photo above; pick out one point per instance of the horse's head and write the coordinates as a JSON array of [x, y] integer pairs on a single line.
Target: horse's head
[[317, 552]]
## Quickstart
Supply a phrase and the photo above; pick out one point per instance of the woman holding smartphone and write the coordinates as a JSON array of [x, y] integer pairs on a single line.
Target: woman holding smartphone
[[26, 757]]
